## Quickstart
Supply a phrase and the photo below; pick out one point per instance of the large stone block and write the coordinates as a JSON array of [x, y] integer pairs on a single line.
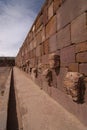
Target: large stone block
[[81, 47], [34, 42], [46, 47], [45, 59], [56, 4], [63, 37], [73, 67], [60, 78], [67, 55], [34, 52], [45, 15], [50, 11], [43, 35], [54, 78], [49, 2], [83, 68], [74, 86], [31, 53], [41, 50], [39, 38], [39, 21], [51, 27], [86, 93], [79, 29], [31, 46], [81, 57], [70, 10], [53, 43], [38, 51], [30, 36]]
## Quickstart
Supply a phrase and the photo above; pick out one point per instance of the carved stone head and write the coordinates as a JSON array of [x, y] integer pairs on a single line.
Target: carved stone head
[[74, 85], [54, 60]]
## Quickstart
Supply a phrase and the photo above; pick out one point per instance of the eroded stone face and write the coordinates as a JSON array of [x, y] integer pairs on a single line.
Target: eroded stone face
[[54, 60], [74, 85], [33, 73]]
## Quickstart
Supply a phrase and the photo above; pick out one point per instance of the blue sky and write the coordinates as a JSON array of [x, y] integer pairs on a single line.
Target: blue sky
[[16, 18]]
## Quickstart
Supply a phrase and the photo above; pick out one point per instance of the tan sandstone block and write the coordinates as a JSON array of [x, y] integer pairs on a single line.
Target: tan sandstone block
[[53, 43], [79, 29], [50, 11], [39, 21], [46, 47], [63, 37], [81, 57], [51, 27], [73, 67], [67, 55], [83, 68], [81, 47], [69, 11], [56, 4], [38, 51]]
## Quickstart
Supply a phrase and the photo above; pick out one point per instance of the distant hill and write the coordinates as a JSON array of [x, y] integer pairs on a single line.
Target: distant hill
[[7, 61]]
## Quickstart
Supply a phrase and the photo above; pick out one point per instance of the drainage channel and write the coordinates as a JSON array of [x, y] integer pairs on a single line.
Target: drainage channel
[[12, 121]]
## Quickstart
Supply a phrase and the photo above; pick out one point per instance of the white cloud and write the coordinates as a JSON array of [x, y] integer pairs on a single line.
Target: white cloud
[[15, 21]]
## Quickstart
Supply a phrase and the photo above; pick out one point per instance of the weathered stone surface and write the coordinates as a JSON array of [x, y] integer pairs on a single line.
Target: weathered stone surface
[[51, 27], [43, 35], [60, 78], [67, 55], [39, 21], [30, 35], [34, 42], [53, 43], [31, 46], [69, 11], [41, 50], [49, 2], [38, 51], [54, 61], [63, 37], [81, 57], [45, 15], [54, 82], [73, 67], [83, 68], [39, 29], [39, 38], [81, 47], [86, 93], [50, 11], [45, 59], [46, 47], [79, 29], [74, 86], [57, 4]]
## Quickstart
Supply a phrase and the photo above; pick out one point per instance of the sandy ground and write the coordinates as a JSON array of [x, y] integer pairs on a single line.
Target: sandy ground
[[38, 110]]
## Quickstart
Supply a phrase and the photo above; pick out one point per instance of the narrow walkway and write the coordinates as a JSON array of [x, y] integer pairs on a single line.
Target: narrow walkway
[[12, 121], [38, 110]]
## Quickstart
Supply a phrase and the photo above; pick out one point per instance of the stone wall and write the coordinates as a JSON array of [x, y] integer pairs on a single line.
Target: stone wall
[[55, 45]]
